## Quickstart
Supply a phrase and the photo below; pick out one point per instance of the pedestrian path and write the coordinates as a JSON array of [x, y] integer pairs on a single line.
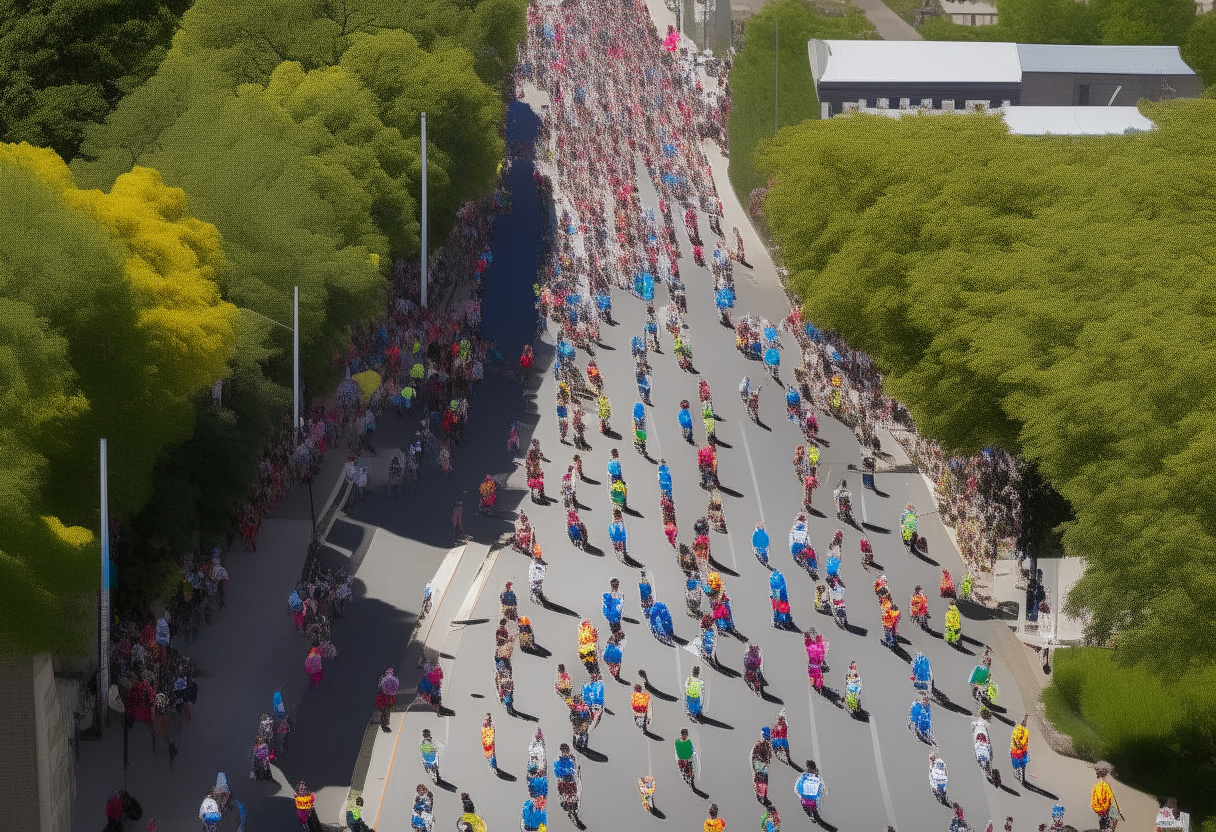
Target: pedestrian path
[[890, 26]]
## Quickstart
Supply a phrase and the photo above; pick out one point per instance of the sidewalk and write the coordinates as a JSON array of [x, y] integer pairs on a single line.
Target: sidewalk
[[250, 650], [890, 26]]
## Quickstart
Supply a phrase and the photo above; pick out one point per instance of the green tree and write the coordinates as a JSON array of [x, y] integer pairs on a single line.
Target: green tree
[[1199, 51], [1143, 21], [463, 114], [64, 64], [1047, 21], [45, 568], [1043, 295], [111, 323], [752, 78]]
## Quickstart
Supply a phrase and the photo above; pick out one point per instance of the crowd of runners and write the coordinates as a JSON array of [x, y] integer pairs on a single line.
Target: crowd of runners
[[647, 98]]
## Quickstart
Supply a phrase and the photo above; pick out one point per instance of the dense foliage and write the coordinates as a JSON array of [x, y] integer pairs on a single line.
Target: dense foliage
[[786, 25], [110, 322], [64, 64], [1048, 295], [1149, 22], [1159, 733], [293, 129]]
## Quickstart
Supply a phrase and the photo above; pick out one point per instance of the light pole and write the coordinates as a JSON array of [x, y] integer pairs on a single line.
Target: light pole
[[295, 376], [103, 674], [295, 392], [295, 343], [424, 210], [776, 61]]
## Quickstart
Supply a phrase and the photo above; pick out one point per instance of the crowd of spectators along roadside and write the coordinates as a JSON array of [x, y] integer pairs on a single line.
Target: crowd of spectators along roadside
[[978, 496], [428, 359]]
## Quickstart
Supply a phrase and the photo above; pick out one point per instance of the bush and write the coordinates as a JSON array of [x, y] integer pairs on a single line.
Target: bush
[[1159, 734]]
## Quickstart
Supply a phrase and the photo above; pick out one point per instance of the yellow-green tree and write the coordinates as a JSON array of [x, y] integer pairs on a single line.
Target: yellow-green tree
[[111, 321]]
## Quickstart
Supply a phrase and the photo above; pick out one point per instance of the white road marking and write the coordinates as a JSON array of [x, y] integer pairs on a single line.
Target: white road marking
[[862, 492], [733, 560], [440, 585], [755, 482], [882, 776], [814, 731], [479, 582]]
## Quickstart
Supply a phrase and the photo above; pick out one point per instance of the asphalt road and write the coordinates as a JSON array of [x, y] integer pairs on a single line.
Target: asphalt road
[[876, 770]]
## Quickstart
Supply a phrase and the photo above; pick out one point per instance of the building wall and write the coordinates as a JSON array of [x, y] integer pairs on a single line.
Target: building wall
[[976, 19], [838, 94], [37, 730], [1064, 89]]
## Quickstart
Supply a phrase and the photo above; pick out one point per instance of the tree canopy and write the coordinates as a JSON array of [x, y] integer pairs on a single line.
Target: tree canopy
[[1112, 22], [64, 64], [112, 322], [786, 25], [294, 129], [1048, 295]]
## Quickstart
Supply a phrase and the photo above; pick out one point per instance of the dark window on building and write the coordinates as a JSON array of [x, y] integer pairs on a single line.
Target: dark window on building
[[1084, 95]]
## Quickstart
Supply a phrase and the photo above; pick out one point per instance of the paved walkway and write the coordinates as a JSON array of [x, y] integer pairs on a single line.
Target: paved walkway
[[889, 25]]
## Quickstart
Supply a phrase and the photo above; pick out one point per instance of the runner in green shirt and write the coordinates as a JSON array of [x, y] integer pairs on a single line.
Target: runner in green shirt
[[685, 754]]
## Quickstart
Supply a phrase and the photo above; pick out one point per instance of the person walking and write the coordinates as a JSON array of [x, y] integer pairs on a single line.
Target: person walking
[[430, 755], [1102, 799], [487, 741], [686, 759], [354, 817], [314, 667], [458, 518], [306, 811], [386, 697], [713, 823]]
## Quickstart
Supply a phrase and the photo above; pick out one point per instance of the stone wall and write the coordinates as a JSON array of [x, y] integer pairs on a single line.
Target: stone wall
[[37, 733]]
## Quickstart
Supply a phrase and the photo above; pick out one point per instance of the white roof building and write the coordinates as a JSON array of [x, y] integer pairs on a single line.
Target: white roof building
[[1042, 121], [950, 74], [909, 62]]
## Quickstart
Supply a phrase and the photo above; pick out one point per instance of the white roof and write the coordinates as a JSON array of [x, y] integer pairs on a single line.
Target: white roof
[[1074, 121], [1057, 121], [967, 7], [1120, 60], [921, 62]]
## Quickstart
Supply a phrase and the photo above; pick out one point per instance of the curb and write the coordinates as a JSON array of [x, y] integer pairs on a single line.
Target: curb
[[358, 780]]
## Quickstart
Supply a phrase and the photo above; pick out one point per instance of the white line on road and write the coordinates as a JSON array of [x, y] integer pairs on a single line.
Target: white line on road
[[882, 775], [755, 482], [862, 492], [814, 731], [479, 583], [441, 583]]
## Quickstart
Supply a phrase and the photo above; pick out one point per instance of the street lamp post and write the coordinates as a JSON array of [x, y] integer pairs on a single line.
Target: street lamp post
[[295, 376], [776, 60], [424, 210], [103, 673]]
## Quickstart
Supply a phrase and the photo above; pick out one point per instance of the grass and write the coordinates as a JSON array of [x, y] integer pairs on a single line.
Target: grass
[[752, 87], [904, 8], [1160, 735]]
